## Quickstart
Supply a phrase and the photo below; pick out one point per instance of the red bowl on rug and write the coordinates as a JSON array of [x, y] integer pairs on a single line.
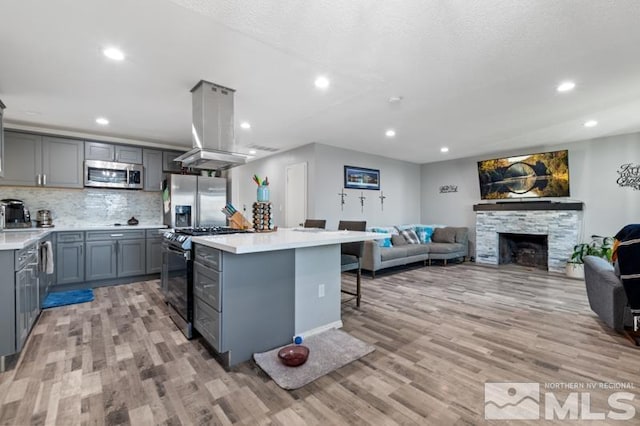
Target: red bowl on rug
[[293, 355]]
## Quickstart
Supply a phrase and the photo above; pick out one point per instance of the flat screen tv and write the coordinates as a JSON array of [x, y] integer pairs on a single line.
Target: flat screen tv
[[526, 176]]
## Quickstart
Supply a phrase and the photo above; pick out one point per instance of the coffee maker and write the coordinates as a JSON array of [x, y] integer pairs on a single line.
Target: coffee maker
[[14, 214]]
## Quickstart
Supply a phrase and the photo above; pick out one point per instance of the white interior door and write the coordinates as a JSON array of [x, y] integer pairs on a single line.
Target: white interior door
[[296, 194]]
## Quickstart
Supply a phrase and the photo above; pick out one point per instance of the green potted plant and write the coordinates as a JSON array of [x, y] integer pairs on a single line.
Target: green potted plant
[[599, 246]]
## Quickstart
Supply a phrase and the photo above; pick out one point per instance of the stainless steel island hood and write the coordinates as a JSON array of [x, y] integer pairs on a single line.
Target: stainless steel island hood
[[212, 129]]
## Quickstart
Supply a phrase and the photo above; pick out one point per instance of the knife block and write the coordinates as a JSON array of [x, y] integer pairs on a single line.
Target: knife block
[[237, 221]]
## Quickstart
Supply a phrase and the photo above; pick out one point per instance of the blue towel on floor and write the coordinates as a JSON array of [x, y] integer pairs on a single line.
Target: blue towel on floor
[[71, 297]]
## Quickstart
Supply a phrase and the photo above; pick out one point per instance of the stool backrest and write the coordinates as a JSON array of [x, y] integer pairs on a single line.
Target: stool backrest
[[315, 223], [357, 248]]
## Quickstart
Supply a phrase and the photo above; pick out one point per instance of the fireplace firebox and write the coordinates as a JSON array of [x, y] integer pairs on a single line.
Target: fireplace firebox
[[523, 249]]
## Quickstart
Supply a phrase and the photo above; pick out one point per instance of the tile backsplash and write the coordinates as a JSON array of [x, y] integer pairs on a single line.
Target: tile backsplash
[[90, 205]]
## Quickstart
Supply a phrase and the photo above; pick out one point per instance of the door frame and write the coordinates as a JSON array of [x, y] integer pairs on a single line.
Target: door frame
[[286, 190]]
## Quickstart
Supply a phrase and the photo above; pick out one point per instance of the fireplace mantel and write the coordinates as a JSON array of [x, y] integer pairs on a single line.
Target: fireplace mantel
[[527, 205]]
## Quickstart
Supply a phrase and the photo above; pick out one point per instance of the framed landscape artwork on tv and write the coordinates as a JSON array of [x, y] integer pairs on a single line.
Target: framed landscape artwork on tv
[[544, 174], [360, 178]]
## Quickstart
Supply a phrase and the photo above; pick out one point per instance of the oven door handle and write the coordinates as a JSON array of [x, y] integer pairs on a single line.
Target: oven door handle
[[185, 254]]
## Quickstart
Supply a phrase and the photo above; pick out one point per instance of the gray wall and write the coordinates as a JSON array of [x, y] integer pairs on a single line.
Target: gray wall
[[400, 182], [593, 166], [96, 206]]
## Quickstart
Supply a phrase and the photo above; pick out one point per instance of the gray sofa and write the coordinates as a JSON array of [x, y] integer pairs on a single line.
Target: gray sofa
[[456, 246], [605, 293]]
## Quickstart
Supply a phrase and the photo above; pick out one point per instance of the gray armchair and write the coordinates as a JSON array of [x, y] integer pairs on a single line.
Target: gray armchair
[[605, 293]]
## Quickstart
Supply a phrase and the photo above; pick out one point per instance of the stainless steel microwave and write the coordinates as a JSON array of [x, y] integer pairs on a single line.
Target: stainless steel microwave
[[109, 174]]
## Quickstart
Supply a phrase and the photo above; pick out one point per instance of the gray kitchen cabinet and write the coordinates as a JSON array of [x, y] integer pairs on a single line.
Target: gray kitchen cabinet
[[35, 160], [152, 161], [233, 310], [62, 162], [99, 151], [69, 258], [19, 298], [109, 152], [170, 166], [128, 154], [23, 159], [2, 107], [27, 304], [154, 251], [125, 253], [131, 258], [101, 260]]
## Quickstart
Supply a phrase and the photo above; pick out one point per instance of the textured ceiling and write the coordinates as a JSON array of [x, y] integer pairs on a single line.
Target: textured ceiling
[[477, 77]]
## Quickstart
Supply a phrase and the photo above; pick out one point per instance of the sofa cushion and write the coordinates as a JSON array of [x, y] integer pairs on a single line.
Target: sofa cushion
[[417, 249], [410, 236], [445, 247], [398, 240], [393, 253], [444, 235], [424, 233], [462, 234], [386, 242]]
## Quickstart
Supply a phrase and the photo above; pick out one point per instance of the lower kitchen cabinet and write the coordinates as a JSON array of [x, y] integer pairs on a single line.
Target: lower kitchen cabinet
[[19, 297], [101, 260], [69, 262], [115, 254], [131, 257], [154, 254]]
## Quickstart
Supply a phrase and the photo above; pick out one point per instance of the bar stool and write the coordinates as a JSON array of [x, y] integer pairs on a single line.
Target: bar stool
[[351, 253]]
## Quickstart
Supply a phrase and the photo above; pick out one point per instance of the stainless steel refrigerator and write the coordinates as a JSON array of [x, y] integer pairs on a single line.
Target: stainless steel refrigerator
[[190, 201]]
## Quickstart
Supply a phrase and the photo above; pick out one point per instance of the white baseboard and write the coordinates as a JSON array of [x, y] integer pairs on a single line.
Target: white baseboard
[[317, 330]]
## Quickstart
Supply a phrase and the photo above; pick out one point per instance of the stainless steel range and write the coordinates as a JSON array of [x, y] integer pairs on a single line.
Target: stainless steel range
[[177, 272]]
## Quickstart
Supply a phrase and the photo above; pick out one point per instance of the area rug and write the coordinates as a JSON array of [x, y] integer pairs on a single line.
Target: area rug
[[328, 351], [70, 297]]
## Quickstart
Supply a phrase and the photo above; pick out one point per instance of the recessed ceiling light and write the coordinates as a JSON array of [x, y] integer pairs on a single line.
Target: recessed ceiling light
[[566, 86], [252, 152], [395, 99], [113, 53], [390, 133], [245, 125], [590, 123], [322, 82], [102, 121], [444, 149]]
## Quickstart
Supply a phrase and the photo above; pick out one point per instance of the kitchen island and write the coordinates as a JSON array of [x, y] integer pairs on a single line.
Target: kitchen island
[[256, 291]]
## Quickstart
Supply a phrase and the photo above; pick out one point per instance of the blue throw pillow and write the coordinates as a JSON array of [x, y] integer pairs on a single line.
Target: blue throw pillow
[[424, 233], [385, 242]]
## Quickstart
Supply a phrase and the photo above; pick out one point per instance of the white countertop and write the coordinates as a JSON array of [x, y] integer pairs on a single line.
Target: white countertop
[[283, 239], [16, 239]]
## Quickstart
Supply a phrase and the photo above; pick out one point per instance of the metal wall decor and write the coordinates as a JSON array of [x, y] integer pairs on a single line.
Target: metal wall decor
[[445, 189], [382, 197], [342, 194], [629, 176], [362, 198]]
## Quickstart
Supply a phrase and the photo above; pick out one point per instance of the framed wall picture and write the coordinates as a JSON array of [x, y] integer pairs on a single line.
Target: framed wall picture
[[360, 178]]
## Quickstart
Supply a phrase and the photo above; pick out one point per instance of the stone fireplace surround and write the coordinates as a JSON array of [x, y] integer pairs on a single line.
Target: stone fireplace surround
[[560, 222]]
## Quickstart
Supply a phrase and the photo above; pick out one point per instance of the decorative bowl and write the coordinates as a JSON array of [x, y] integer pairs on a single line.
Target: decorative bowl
[[293, 355]]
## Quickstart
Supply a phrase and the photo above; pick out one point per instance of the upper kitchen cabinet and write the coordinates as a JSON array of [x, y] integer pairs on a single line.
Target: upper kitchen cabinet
[[109, 152], [34, 160], [152, 161], [128, 154], [1, 140], [99, 151], [168, 165]]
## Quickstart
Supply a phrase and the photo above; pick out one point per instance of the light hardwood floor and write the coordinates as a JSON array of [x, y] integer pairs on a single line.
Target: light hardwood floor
[[440, 333]]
